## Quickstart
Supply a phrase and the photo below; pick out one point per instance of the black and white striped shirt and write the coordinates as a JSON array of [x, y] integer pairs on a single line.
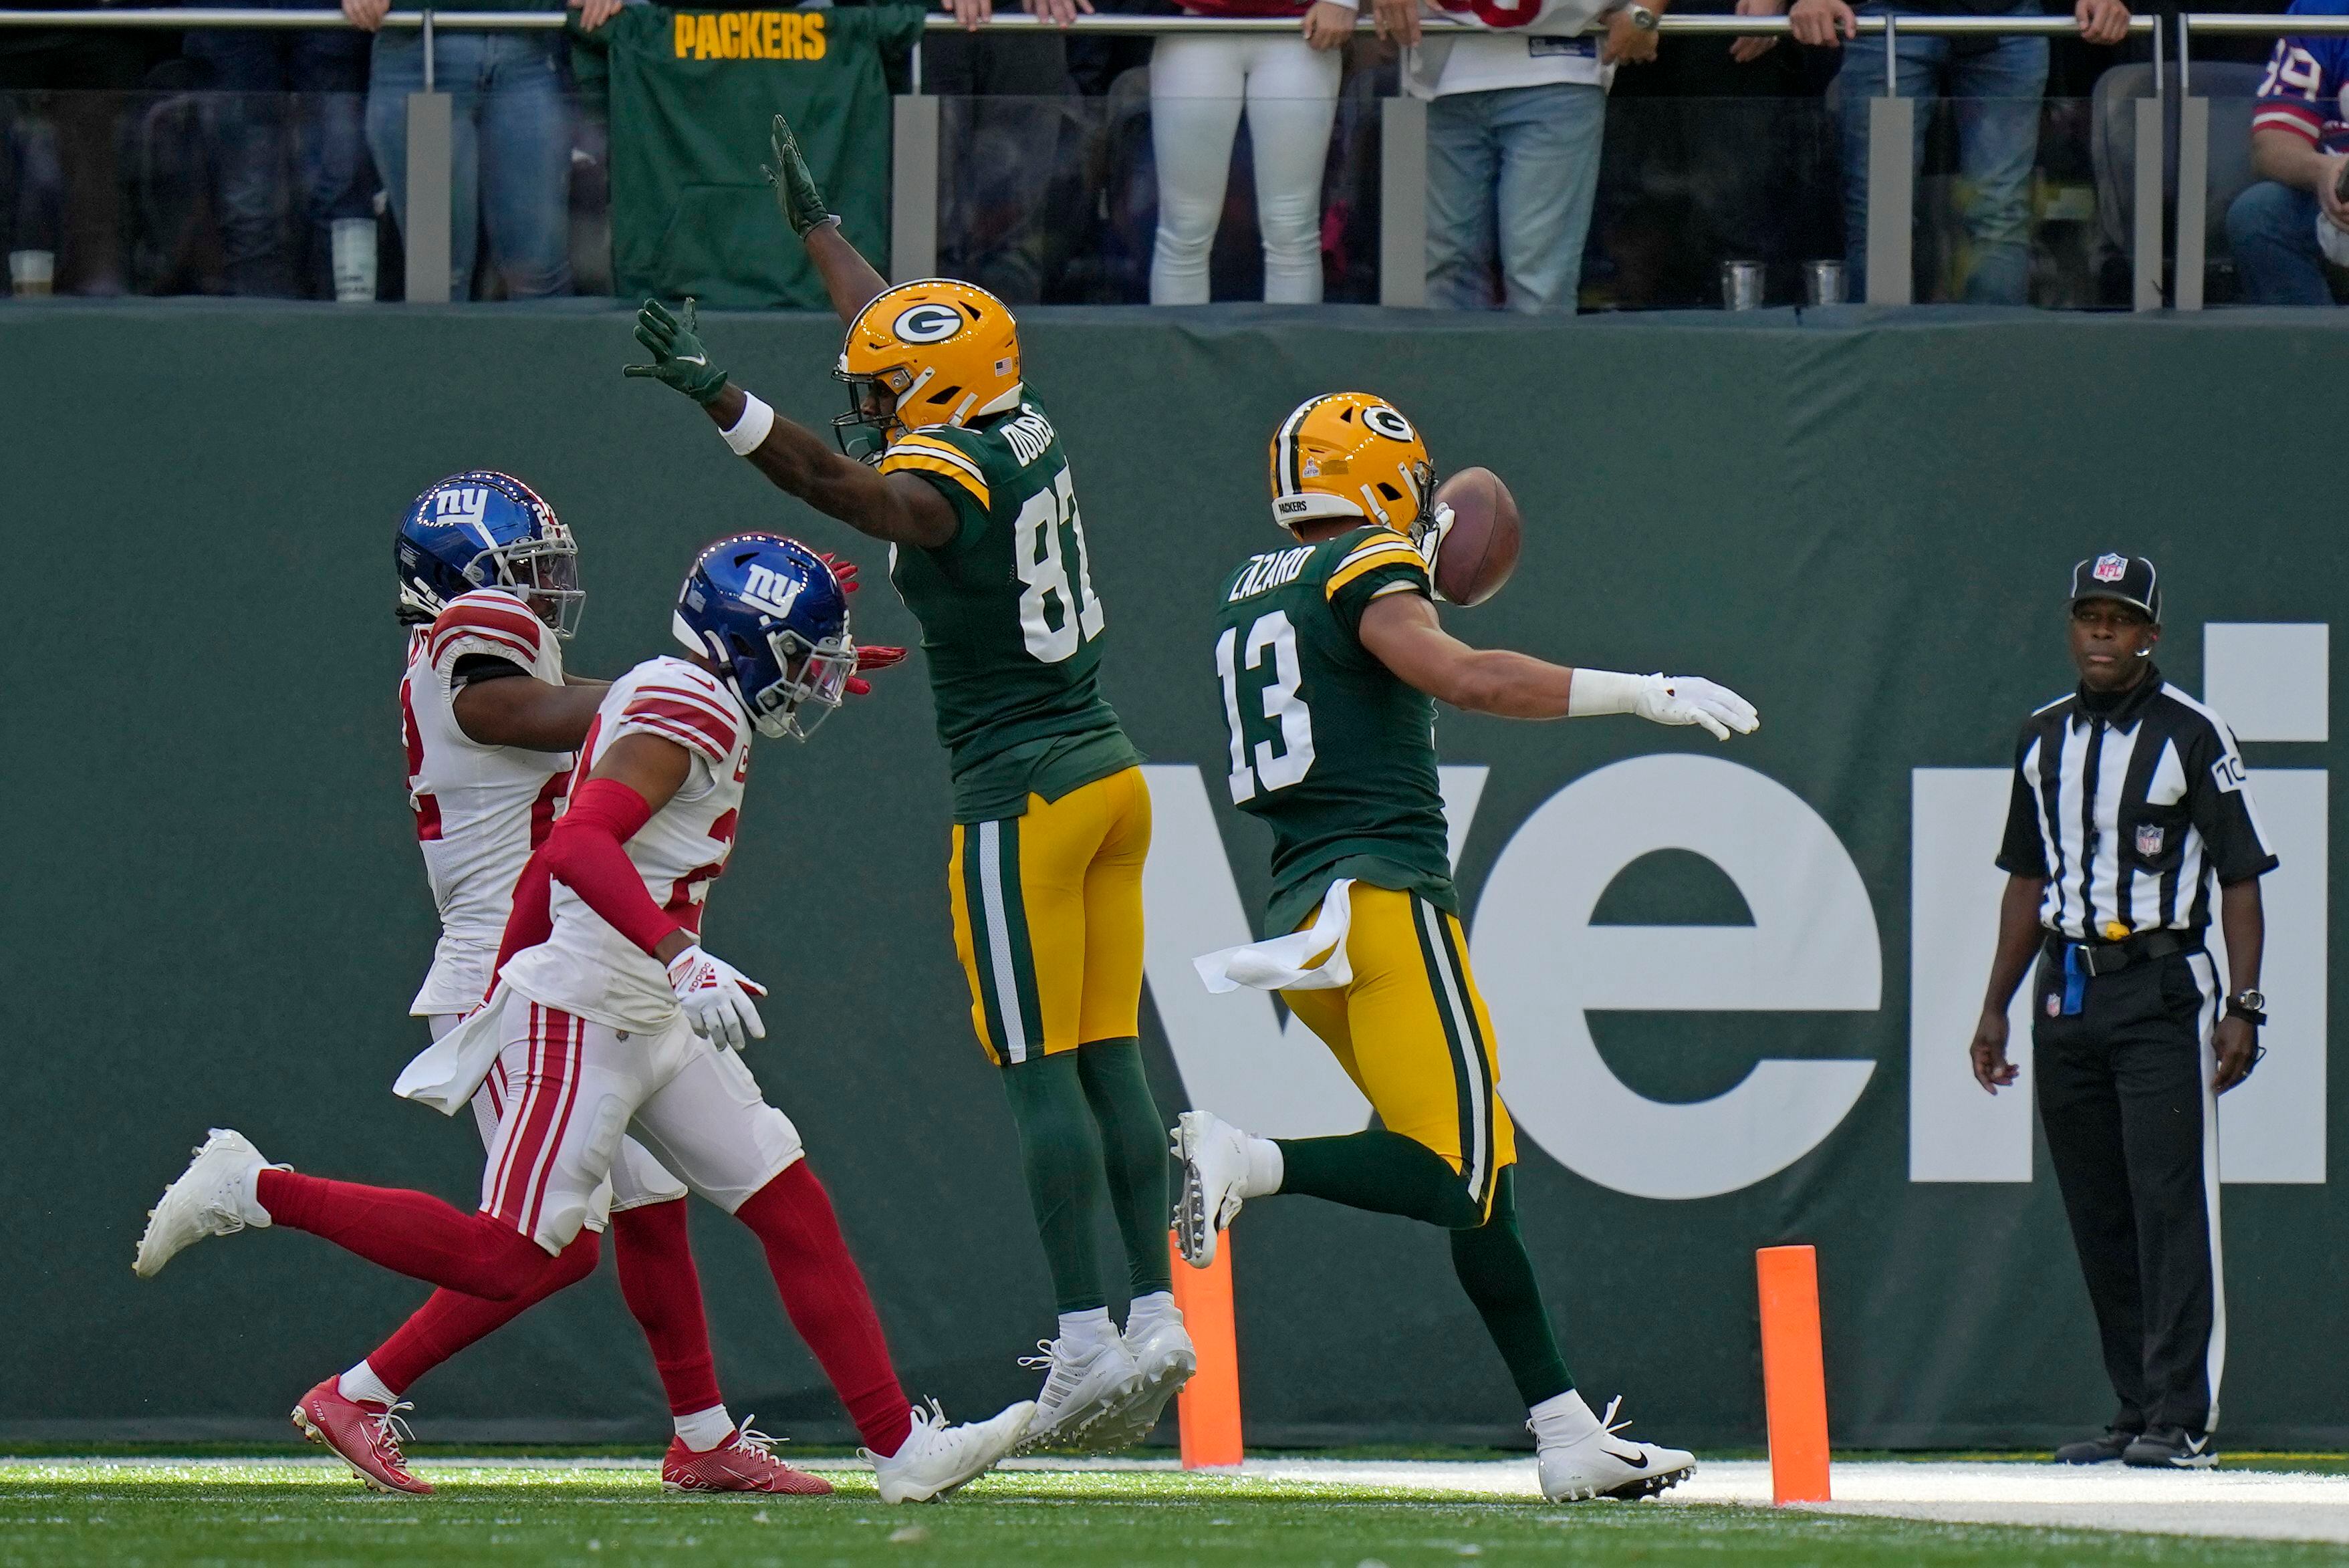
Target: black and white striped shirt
[[2131, 809]]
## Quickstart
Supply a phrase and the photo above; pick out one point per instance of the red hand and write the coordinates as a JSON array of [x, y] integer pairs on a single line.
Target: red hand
[[842, 571], [873, 659]]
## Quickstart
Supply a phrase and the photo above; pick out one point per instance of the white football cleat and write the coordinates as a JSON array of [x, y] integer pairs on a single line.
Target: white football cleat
[[1600, 1464], [208, 1200], [936, 1460], [1164, 1353], [1215, 1156], [1082, 1388]]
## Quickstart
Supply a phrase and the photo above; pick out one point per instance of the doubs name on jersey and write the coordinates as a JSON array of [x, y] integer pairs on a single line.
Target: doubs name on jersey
[[1028, 434]]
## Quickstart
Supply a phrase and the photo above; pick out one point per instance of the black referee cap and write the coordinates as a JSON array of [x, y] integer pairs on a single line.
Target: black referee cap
[[2130, 579]]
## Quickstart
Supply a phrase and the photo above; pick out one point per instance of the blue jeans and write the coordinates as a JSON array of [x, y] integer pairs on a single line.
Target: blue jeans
[[2272, 228], [1995, 85], [270, 87], [1514, 170], [509, 153]]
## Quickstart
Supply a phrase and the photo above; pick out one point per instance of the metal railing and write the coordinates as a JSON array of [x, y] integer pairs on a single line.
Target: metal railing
[[1891, 206]]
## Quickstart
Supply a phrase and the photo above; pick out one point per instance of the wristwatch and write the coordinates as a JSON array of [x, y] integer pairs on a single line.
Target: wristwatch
[[1641, 17], [2251, 1007]]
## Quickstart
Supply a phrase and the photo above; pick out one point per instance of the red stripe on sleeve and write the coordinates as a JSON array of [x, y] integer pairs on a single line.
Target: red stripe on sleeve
[[715, 735]]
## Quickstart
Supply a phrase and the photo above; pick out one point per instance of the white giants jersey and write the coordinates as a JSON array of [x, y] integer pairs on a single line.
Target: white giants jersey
[[586, 968], [479, 810]]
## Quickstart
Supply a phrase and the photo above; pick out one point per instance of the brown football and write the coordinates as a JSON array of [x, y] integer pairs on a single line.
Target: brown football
[[1481, 550]]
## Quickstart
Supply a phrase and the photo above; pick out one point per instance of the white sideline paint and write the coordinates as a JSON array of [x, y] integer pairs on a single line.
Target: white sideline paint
[[2270, 1505]]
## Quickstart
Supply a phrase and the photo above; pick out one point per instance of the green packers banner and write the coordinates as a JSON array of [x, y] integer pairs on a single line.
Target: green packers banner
[[1732, 984], [691, 96]]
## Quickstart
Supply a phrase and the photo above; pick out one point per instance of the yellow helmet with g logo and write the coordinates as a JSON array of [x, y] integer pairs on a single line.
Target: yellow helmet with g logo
[[1349, 454], [937, 351]]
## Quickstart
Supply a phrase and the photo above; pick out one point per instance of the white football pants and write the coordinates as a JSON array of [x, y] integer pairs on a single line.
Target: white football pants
[[1197, 86], [636, 1178]]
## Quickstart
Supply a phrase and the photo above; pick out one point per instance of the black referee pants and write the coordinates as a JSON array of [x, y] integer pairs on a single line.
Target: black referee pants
[[2124, 1092]]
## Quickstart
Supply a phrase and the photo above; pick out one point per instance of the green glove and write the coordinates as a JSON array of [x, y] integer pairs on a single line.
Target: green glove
[[795, 189], [678, 358]]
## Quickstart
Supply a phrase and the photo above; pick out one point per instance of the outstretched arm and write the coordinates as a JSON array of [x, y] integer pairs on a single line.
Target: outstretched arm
[[895, 507], [1401, 631], [848, 278]]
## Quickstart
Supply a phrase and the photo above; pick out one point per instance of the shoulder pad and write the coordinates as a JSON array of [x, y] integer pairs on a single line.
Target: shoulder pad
[[676, 702], [945, 456], [486, 621]]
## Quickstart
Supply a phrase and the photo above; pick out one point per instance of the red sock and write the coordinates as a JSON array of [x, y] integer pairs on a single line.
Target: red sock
[[450, 1320], [664, 1293], [825, 1296], [412, 1233]]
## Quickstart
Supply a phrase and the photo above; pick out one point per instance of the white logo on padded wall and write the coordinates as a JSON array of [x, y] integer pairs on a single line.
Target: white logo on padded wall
[[1387, 422], [771, 593], [2109, 568], [926, 324]]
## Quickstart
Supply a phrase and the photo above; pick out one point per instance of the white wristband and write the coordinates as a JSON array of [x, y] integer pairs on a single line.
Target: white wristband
[[747, 432], [1602, 691]]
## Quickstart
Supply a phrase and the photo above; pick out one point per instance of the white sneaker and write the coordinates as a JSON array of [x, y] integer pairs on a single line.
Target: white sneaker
[[1600, 1464], [208, 1200], [937, 1459], [1215, 1156], [1082, 1387], [1163, 1352]]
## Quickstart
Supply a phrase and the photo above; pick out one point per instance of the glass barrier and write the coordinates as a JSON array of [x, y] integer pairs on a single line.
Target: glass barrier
[[2263, 244], [1700, 202]]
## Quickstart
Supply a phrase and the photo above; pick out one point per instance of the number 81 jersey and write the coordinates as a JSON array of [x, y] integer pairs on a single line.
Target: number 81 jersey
[[1010, 624], [1327, 745]]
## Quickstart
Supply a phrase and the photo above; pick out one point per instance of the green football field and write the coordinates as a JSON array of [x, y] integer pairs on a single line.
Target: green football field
[[225, 1511]]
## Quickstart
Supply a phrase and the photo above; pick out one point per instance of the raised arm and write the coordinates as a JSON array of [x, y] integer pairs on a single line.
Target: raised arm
[[848, 278], [894, 508], [1401, 631]]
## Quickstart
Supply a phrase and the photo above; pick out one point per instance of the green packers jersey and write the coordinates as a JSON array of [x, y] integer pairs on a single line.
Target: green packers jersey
[[1010, 624], [1327, 745]]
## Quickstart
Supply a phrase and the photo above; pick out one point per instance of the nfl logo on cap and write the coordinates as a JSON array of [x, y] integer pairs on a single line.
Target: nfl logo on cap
[[2110, 568]]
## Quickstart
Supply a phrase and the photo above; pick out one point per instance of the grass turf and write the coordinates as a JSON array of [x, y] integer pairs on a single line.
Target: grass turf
[[209, 1512]]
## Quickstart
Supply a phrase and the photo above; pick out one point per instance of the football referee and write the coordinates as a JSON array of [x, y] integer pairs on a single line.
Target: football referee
[[2131, 824]]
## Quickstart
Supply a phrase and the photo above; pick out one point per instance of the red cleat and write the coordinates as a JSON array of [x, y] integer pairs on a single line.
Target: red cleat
[[742, 1463], [361, 1434]]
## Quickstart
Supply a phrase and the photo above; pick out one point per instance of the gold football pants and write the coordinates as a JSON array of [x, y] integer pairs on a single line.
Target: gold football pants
[[1047, 919], [1413, 1034]]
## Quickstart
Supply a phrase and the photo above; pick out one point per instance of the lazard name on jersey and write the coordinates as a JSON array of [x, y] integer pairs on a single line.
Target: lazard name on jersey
[[1010, 624], [1327, 745]]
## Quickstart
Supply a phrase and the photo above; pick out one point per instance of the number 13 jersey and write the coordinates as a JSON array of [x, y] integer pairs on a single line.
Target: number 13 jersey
[[1327, 745], [1010, 624]]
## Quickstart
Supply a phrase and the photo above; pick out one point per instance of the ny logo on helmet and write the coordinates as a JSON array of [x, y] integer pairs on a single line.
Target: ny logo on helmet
[[460, 506], [1387, 422], [926, 324], [771, 593]]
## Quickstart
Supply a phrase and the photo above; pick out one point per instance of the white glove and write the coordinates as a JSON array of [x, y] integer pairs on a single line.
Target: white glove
[[1431, 537], [716, 997], [1692, 699]]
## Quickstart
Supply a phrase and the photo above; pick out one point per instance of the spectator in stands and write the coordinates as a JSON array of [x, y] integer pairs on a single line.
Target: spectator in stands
[[1997, 81], [256, 75], [1515, 118], [60, 143], [509, 155], [1198, 84], [2284, 229], [1005, 109]]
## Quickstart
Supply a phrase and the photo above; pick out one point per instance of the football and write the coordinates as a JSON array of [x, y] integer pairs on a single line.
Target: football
[[1481, 550]]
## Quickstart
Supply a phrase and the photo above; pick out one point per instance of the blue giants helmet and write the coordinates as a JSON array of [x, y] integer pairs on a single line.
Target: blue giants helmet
[[486, 530], [770, 614]]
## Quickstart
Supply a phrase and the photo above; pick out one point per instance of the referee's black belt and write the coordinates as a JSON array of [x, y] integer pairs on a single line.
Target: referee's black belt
[[2111, 958]]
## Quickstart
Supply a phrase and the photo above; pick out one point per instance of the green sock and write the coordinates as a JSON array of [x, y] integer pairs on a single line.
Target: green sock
[[1134, 1156], [1383, 1172], [1061, 1154], [1499, 1275]]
